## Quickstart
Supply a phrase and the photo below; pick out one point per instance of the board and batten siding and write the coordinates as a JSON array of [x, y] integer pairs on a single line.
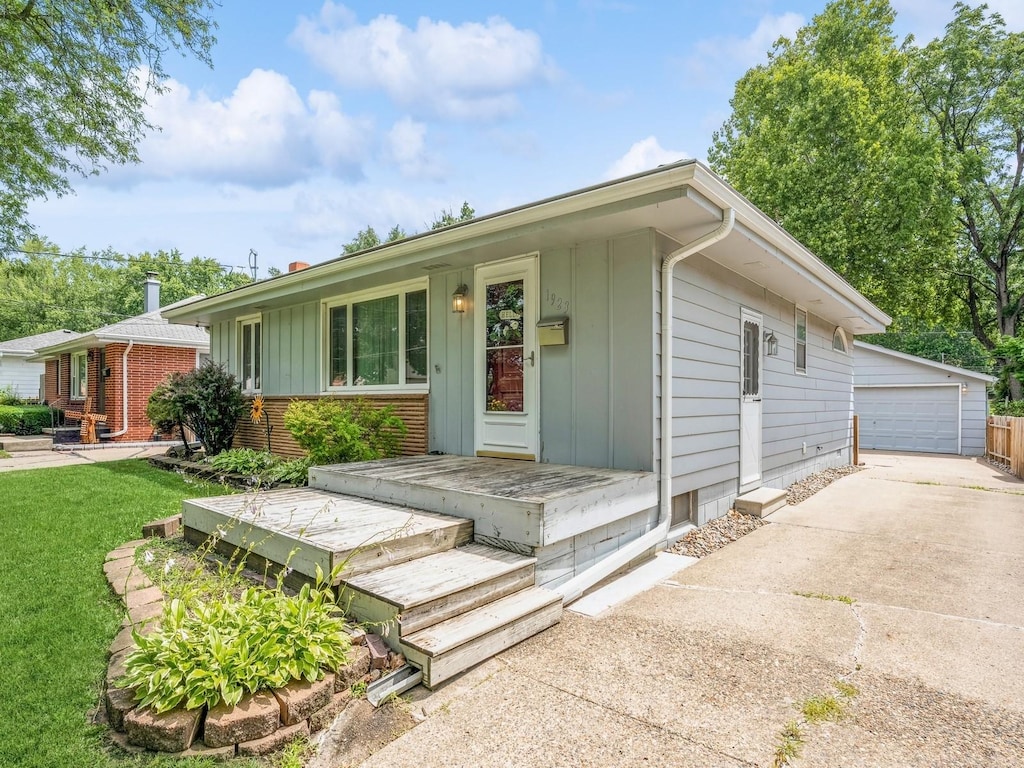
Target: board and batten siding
[[874, 368], [596, 405], [806, 418]]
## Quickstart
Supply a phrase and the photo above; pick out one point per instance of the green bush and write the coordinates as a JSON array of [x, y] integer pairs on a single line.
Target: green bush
[[1007, 408], [337, 431], [161, 411], [217, 651], [8, 396], [295, 472], [207, 400], [24, 419]]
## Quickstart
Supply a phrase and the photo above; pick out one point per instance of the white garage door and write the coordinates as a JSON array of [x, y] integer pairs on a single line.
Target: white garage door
[[909, 418]]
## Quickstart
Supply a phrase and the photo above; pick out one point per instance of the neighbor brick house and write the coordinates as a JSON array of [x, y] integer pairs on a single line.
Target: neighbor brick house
[[118, 366]]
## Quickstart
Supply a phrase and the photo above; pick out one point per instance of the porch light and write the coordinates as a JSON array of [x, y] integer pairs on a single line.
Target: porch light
[[771, 344], [459, 298]]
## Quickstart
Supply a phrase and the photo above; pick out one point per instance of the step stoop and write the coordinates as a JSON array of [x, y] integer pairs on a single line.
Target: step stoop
[[760, 503]]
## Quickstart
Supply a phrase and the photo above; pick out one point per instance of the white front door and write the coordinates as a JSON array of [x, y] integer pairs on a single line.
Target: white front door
[[506, 370], [750, 400]]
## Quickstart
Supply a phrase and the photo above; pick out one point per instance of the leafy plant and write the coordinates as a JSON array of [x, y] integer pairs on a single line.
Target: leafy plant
[[243, 461], [8, 396], [217, 651], [295, 472], [335, 431], [207, 400]]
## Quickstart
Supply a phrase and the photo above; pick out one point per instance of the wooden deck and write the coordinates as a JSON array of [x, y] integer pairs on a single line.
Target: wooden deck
[[532, 504]]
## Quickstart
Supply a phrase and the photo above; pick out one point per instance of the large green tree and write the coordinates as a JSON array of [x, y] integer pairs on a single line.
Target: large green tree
[[823, 139], [970, 84], [368, 238], [44, 291], [74, 75]]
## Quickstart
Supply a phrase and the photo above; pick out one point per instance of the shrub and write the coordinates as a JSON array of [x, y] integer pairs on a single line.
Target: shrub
[[160, 410], [25, 419], [207, 400], [9, 396], [217, 651], [295, 472], [1007, 407], [336, 431]]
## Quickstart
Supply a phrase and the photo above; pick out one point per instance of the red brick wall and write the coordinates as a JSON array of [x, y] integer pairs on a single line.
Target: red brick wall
[[50, 383], [147, 367]]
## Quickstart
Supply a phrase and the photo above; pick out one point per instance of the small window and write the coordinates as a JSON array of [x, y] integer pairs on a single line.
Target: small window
[[79, 374], [801, 340], [250, 354], [839, 341], [751, 359]]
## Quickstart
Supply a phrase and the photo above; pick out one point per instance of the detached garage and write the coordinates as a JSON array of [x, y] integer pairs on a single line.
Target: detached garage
[[907, 403]]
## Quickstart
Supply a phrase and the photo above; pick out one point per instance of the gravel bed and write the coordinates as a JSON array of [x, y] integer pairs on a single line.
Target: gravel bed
[[724, 530]]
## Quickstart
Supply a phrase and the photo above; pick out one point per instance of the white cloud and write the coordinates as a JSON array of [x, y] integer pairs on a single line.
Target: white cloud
[[926, 22], [262, 135], [405, 146], [644, 155], [730, 53], [470, 71]]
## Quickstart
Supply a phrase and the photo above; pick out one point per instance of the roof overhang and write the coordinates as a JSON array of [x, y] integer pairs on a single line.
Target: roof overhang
[[91, 340], [924, 362], [682, 201]]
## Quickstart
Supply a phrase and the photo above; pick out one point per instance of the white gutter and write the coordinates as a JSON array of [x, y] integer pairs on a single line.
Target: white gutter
[[124, 390], [580, 583]]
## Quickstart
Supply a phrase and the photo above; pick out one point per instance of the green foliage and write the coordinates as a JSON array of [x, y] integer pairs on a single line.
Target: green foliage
[[295, 472], [446, 217], [160, 410], [335, 431], [1006, 407], [73, 83], [207, 400], [44, 292], [959, 348], [789, 746], [8, 396], [821, 139], [819, 708], [217, 651], [243, 461], [24, 419], [368, 238], [970, 84]]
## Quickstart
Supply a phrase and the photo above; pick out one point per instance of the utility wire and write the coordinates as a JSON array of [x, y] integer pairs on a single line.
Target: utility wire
[[119, 259]]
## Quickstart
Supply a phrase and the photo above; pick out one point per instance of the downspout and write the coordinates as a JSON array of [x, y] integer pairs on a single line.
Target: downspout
[[124, 390], [580, 583]]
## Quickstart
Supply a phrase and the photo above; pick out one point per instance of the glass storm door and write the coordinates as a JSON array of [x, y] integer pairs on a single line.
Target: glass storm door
[[505, 312], [750, 401]]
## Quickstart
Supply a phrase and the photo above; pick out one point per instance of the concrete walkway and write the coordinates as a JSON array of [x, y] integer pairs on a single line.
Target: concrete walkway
[[43, 459], [708, 667]]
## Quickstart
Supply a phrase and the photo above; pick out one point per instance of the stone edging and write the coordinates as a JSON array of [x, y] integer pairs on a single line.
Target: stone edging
[[260, 723]]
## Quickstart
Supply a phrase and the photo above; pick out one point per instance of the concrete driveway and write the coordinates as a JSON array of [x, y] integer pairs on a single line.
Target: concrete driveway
[[708, 667]]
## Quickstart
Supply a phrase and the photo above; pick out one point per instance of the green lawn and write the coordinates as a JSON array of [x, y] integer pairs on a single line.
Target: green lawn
[[57, 614]]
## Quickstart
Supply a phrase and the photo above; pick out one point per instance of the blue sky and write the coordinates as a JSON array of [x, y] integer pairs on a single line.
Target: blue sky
[[319, 118]]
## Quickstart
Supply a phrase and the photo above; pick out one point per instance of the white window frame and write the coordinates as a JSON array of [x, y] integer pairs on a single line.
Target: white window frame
[[840, 334], [79, 384], [797, 344], [59, 361], [245, 325], [348, 300]]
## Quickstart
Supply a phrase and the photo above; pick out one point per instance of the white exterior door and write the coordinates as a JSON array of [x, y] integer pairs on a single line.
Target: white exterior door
[[750, 400], [507, 423]]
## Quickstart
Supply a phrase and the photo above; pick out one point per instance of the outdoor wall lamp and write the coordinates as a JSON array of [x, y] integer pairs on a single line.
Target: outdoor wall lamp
[[771, 344], [459, 298]]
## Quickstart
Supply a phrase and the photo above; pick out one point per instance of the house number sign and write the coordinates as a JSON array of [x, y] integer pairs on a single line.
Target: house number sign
[[508, 314]]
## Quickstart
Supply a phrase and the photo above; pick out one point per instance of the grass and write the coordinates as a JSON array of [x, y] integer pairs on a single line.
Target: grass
[[824, 596], [59, 615], [4, 454], [819, 708], [789, 746]]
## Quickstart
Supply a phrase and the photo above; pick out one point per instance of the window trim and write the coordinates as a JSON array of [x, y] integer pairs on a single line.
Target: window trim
[[73, 390], [241, 324], [348, 300], [796, 339], [840, 334]]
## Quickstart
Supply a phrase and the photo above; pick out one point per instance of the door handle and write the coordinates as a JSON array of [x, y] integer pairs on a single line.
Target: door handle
[[532, 361]]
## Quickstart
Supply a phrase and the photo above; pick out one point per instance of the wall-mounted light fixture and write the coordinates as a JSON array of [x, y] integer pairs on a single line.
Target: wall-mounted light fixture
[[771, 344], [459, 298], [963, 388]]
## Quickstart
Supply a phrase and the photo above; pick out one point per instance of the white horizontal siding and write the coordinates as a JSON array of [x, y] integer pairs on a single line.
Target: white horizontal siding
[[21, 377]]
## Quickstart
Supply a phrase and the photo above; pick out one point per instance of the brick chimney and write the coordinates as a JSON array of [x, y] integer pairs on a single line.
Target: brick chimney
[[295, 266], [151, 293]]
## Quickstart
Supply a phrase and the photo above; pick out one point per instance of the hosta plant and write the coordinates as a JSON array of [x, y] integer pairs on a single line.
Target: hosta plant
[[217, 651]]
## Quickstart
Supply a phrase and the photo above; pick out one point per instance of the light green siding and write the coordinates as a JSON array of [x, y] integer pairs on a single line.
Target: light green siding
[[291, 350], [450, 351]]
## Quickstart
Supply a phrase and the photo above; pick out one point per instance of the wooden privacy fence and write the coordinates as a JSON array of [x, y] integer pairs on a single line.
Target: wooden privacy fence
[[1005, 442]]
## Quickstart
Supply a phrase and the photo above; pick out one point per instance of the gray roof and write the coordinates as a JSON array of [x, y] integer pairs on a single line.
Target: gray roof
[[147, 328], [27, 345]]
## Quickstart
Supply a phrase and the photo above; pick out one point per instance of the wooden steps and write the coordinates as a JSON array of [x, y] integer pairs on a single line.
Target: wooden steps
[[444, 602], [304, 528], [450, 647], [417, 594]]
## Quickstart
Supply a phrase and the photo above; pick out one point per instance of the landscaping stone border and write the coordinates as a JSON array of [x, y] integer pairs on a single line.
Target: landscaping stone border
[[259, 724]]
